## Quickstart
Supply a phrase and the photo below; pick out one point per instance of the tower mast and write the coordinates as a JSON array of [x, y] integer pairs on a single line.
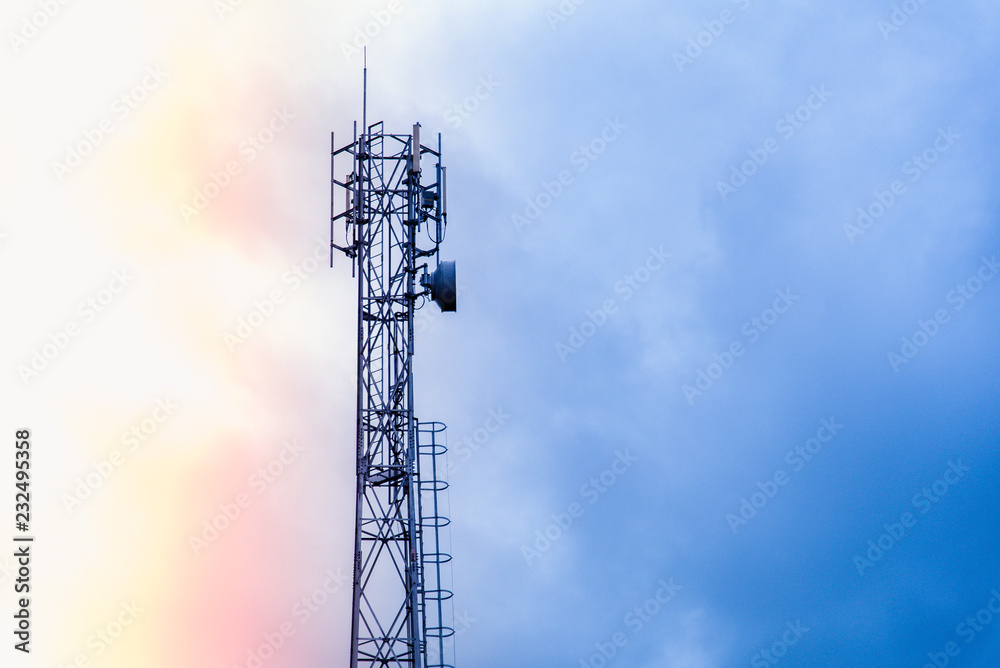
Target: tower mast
[[394, 221]]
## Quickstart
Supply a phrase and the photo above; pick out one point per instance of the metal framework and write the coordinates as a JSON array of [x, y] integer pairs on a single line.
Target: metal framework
[[391, 205]]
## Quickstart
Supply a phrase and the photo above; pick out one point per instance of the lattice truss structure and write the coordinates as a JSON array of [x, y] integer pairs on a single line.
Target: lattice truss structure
[[390, 208]]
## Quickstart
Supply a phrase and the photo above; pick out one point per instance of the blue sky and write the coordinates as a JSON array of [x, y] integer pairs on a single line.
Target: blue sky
[[850, 298]]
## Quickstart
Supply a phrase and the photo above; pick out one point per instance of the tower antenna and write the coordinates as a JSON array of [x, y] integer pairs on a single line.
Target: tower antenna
[[364, 91]]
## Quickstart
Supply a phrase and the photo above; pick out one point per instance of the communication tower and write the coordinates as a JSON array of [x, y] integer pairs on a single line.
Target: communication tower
[[388, 193]]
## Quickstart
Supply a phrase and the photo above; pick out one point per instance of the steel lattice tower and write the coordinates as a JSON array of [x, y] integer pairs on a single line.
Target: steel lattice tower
[[391, 205]]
